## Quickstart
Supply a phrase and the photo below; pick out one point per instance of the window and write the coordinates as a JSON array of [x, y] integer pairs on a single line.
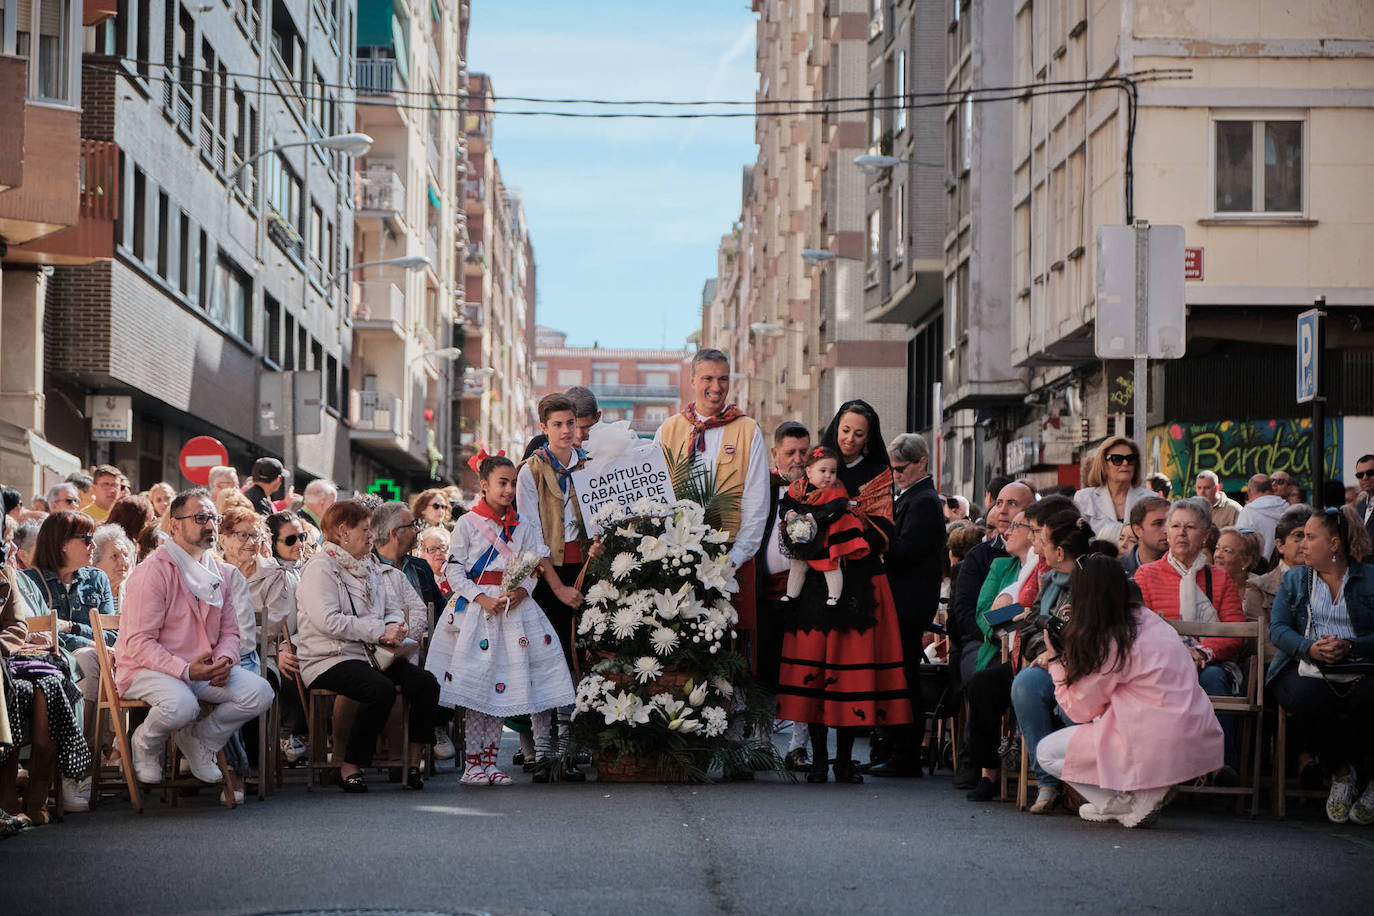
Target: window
[[317, 237], [875, 119], [288, 355], [660, 379], [331, 383], [875, 247], [50, 71], [967, 162], [1259, 166], [656, 414], [899, 224], [184, 256], [230, 292], [541, 374], [316, 356], [605, 373], [164, 234], [140, 217], [569, 377], [899, 90], [283, 188], [271, 328]]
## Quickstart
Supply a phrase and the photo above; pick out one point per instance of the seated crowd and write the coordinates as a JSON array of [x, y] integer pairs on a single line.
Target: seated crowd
[[228, 601]]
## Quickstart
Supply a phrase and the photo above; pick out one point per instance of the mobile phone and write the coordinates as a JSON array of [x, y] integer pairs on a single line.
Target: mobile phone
[[1002, 616]]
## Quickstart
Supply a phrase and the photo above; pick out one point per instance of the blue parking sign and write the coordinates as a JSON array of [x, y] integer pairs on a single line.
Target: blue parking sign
[[1308, 355]]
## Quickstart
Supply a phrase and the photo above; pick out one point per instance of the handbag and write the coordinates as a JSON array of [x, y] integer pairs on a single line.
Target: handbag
[[1345, 672], [379, 656]]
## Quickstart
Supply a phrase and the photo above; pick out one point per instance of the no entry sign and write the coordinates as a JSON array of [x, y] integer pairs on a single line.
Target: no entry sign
[[200, 455]]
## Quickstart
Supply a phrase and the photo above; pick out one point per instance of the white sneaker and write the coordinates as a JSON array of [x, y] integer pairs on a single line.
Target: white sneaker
[[198, 756], [295, 748], [1118, 807], [1362, 812], [443, 745], [1145, 807], [76, 794], [1342, 794], [147, 763]]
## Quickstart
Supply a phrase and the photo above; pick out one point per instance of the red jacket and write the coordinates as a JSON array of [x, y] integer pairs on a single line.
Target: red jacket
[[1159, 582]]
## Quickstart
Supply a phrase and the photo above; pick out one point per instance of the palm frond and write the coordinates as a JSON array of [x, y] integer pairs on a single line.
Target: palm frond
[[695, 482]]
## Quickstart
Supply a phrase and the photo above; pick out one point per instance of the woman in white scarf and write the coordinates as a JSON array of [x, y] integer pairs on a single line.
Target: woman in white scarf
[[344, 611]]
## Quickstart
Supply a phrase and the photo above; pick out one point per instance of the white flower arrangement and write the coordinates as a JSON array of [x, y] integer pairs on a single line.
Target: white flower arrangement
[[658, 609], [518, 570], [801, 529]]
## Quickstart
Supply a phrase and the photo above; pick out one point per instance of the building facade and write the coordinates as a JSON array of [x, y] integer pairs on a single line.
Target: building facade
[[408, 198], [494, 400], [218, 269], [645, 386], [43, 197], [797, 332], [1256, 154]]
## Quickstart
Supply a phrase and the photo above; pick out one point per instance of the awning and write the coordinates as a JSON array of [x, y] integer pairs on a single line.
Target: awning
[[434, 199]]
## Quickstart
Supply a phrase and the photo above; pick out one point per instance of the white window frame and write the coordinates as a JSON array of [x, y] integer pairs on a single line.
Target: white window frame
[[1257, 116], [9, 41], [899, 89], [899, 223], [873, 229]]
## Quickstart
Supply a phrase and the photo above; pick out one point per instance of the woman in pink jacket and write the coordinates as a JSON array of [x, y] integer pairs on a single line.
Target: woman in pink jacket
[[1121, 669]]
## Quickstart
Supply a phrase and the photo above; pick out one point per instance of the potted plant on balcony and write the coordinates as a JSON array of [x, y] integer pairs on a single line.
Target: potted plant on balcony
[[280, 230]]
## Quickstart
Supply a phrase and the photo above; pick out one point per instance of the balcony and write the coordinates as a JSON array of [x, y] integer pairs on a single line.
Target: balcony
[[92, 237], [469, 313], [475, 130], [380, 310], [39, 155], [474, 194], [375, 412], [637, 393], [381, 93], [379, 194]]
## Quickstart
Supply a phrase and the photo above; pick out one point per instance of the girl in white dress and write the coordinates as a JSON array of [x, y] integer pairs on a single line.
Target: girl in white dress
[[493, 651]]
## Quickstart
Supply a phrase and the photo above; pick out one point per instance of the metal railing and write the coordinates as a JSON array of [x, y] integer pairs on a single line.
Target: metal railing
[[380, 300], [636, 391], [380, 188], [375, 411], [376, 76]]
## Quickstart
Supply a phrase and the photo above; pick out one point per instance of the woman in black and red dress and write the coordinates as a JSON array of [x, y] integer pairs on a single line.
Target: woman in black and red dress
[[845, 669]]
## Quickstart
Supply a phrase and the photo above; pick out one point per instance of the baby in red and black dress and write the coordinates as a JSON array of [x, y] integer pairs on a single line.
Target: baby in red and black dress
[[818, 528]]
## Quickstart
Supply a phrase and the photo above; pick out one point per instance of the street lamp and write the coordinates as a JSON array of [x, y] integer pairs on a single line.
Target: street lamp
[[408, 262], [766, 329], [444, 353], [351, 144], [814, 256], [872, 165]]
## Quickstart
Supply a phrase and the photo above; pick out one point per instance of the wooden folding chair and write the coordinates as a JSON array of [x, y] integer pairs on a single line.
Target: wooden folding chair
[[38, 624], [116, 707], [1281, 790], [1249, 707], [327, 709]]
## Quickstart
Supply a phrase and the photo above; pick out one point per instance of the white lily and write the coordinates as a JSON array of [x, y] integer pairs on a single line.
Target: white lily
[[698, 695]]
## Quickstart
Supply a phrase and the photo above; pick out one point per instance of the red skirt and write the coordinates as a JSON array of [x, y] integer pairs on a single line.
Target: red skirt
[[844, 539], [847, 677]]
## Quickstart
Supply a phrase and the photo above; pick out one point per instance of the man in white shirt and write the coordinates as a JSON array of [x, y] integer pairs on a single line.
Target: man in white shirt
[[1261, 511]]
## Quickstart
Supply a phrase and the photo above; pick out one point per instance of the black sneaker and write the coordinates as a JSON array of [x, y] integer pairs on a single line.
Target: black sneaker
[[966, 777], [985, 790]]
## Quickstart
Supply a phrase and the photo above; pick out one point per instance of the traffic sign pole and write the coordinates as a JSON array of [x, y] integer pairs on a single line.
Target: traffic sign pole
[[1140, 373], [1318, 458]]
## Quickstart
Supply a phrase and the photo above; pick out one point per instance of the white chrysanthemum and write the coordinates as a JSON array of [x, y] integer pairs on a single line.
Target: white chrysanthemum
[[623, 565], [723, 687], [647, 668], [664, 641], [625, 622], [593, 619], [714, 721], [602, 593]]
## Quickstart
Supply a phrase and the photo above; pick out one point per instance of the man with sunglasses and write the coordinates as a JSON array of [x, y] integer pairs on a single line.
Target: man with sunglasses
[[1364, 476], [63, 497], [179, 645]]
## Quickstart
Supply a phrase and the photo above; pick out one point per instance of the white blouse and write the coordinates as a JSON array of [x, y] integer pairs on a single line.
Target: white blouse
[[472, 537]]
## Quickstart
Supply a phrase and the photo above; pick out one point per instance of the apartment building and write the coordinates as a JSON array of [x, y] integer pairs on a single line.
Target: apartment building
[[42, 197], [494, 403], [906, 196], [808, 347], [644, 386], [221, 226], [1259, 154], [409, 204]]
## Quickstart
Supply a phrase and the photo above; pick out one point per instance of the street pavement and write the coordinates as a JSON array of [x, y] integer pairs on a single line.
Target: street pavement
[[771, 846]]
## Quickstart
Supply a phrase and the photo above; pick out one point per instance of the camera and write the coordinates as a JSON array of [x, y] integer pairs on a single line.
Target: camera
[[1042, 631]]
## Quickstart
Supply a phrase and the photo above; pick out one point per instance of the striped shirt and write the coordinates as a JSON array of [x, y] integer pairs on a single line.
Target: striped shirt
[[1329, 616]]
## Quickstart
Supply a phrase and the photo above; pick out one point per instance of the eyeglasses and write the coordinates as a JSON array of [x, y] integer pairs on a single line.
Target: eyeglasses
[[1014, 525], [1246, 530], [1092, 556], [1361, 475], [73, 501], [438, 506], [290, 540], [1119, 459], [900, 468], [1331, 510], [416, 523], [435, 550], [247, 535], [87, 539], [201, 518]]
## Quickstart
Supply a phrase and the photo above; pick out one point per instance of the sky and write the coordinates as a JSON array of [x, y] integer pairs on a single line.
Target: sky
[[625, 215]]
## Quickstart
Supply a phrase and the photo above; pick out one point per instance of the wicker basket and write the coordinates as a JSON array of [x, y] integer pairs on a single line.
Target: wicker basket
[[626, 768], [667, 682]]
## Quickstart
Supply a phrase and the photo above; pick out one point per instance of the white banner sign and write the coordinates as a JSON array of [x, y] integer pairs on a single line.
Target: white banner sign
[[626, 479]]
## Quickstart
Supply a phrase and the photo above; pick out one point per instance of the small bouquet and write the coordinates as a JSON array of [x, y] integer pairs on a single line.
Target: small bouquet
[[518, 570], [800, 528]]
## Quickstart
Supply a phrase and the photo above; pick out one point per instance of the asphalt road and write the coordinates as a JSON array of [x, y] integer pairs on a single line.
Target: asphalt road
[[890, 846]]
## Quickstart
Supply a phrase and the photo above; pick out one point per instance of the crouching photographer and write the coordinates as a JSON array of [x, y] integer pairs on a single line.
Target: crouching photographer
[[1121, 669]]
